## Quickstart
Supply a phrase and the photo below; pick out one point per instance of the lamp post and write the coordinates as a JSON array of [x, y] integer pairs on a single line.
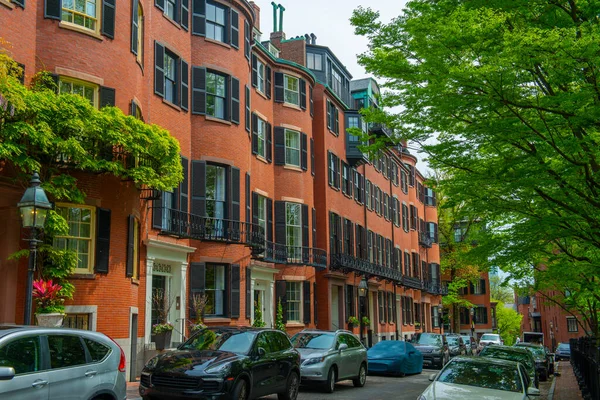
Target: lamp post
[[440, 308], [34, 206], [472, 312], [363, 289]]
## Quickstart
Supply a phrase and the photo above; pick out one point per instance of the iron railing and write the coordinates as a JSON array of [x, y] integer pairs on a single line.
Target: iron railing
[[585, 359], [412, 282], [425, 240], [292, 255], [432, 287], [190, 226], [348, 263], [379, 128]]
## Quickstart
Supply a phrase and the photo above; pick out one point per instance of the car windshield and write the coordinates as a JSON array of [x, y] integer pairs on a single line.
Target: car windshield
[[321, 341], [489, 337], [452, 340], [536, 351], [427, 339], [388, 347], [222, 340], [466, 339], [564, 346], [509, 355], [483, 375]]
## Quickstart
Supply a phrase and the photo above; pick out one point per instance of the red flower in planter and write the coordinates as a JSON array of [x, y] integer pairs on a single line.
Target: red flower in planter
[[46, 294]]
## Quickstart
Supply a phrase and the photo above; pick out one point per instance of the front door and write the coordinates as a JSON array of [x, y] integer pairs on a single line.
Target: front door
[[25, 356], [335, 308]]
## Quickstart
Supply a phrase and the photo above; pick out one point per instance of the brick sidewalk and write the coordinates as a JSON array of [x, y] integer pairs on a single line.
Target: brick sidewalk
[[133, 390], [566, 387]]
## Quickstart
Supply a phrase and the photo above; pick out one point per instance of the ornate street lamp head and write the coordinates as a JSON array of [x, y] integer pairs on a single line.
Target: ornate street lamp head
[[363, 287], [34, 204]]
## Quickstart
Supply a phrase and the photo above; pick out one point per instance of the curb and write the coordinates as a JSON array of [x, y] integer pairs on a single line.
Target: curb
[[553, 386]]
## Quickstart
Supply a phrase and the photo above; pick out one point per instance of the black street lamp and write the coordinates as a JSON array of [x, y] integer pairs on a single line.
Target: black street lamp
[[472, 312], [34, 206], [363, 289]]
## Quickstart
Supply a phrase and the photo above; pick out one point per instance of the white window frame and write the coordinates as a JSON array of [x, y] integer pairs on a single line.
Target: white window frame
[[218, 312], [572, 322], [97, 18], [91, 240], [294, 251], [291, 95], [299, 149], [63, 80], [214, 23], [296, 287], [261, 133], [260, 74]]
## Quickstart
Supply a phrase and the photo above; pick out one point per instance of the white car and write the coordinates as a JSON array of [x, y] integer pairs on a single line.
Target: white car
[[489, 338], [480, 378]]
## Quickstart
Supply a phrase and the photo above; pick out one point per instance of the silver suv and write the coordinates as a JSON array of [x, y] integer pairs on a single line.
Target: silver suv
[[55, 363], [328, 357]]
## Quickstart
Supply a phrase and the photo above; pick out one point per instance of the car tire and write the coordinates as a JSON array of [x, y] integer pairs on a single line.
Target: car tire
[[292, 387], [240, 390], [361, 379], [330, 382]]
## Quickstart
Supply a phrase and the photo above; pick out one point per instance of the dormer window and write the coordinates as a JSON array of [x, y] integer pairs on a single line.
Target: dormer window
[[273, 50]]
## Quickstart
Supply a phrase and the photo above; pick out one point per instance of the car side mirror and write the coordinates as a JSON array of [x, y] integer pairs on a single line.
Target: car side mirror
[[343, 346], [531, 391], [432, 377], [7, 373], [261, 352]]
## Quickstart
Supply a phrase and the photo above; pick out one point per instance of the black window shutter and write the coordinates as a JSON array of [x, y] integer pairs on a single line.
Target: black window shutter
[[159, 69], [132, 108], [279, 87], [102, 240], [254, 133], [234, 293], [279, 145], [157, 212], [160, 4], [312, 156], [305, 230], [197, 284], [254, 70], [303, 94], [247, 199], [234, 215], [198, 17], [20, 3], [198, 90], [135, 29], [183, 195], [314, 228], [337, 121], [199, 188], [482, 284], [306, 299], [329, 115], [269, 143], [316, 306], [304, 155], [235, 100], [310, 95], [235, 29], [280, 297], [280, 229], [471, 288], [130, 245], [269, 235], [248, 293], [247, 104], [108, 18], [107, 96], [255, 208], [53, 9], [330, 171], [185, 14], [184, 90], [435, 233], [247, 39], [268, 82], [337, 172]]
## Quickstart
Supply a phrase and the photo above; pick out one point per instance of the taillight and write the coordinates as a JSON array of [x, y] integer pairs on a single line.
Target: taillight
[[122, 361]]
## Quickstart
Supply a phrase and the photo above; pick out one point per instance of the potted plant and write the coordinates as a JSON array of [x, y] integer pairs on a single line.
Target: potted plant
[[199, 302], [163, 329], [279, 324], [258, 319], [50, 310], [417, 325], [366, 321], [352, 321]]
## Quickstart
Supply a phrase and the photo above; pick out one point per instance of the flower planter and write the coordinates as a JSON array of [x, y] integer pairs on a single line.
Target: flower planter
[[53, 320], [162, 340]]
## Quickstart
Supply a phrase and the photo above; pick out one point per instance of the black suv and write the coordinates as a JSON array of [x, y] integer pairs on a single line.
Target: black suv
[[433, 347], [225, 362], [456, 345]]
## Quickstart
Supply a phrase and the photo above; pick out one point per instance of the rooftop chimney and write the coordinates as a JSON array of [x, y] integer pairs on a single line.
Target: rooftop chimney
[[307, 38], [256, 9], [314, 38]]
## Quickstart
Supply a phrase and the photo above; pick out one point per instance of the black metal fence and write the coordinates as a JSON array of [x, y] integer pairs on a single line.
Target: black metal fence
[[585, 358]]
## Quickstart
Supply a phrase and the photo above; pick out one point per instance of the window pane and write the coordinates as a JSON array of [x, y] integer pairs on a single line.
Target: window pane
[[97, 350], [65, 351], [22, 354]]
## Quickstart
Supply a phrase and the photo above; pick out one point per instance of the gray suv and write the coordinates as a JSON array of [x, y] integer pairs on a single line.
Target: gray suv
[[328, 357], [55, 363]]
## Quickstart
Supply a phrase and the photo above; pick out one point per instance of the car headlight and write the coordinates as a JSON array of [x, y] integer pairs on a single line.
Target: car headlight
[[152, 362], [223, 368], [314, 360]]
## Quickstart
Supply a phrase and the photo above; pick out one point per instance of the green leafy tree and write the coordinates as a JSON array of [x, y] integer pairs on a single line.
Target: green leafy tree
[[509, 324], [510, 91], [500, 291]]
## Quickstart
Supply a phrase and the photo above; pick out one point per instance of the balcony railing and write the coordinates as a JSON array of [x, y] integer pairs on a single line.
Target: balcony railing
[[185, 225], [348, 263], [292, 255], [380, 129], [412, 282], [425, 240], [434, 287]]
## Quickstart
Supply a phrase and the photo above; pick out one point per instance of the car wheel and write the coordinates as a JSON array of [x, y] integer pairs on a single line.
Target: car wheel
[[331, 378], [240, 390], [291, 391], [361, 379]]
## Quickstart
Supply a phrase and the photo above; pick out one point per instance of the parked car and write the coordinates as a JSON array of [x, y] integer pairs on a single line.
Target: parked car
[[563, 352], [470, 344], [456, 345], [433, 347], [542, 364], [550, 357], [225, 362], [480, 378], [489, 338], [56, 363], [328, 357], [395, 358], [514, 354]]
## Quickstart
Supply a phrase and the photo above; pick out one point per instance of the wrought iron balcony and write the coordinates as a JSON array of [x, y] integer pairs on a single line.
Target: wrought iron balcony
[[425, 240], [185, 225], [348, 263], [412, 282], [380, 129], [434, 288], [292, 255]]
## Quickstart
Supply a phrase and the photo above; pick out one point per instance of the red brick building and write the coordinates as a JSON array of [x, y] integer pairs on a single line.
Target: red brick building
[[277, 202], [481, 318]]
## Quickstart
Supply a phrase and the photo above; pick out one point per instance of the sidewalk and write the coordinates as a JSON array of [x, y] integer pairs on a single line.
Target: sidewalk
[[565, 386], [132, 390]]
